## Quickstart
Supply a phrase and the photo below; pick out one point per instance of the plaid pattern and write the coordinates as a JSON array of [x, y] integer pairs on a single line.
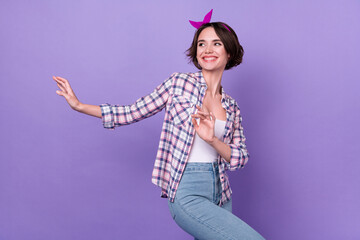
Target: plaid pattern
[[179, 95]]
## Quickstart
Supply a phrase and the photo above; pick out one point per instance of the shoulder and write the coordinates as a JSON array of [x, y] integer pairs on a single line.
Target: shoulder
[[192, 77], [186, 85], [188, 82], [179, 79]]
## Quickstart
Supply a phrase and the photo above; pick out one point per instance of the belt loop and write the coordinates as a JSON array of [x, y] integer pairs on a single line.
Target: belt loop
[[214, 167]]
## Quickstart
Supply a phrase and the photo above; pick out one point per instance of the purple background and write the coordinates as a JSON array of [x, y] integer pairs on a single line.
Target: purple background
[[62, 176]]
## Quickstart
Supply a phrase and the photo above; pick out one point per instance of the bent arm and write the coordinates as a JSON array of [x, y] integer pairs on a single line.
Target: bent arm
[[233, 154], [222, 148], [239, 154]]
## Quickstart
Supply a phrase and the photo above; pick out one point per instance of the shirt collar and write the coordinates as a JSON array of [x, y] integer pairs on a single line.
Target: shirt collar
[[200, 77], [225, 98]]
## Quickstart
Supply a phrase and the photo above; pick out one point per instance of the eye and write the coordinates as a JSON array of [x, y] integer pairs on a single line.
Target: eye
[[201, 44], [218, 44]]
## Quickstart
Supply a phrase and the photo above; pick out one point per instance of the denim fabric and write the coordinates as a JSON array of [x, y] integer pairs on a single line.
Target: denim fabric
[[196, 211]]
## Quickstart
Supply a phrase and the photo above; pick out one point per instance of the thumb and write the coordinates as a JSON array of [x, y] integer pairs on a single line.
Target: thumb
[[61, 93]]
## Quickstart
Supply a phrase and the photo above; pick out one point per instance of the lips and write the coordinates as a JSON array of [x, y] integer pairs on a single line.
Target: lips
[[209, 58]]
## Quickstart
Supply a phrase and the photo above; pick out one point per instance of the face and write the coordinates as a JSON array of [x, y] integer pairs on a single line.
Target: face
[[211, 53]]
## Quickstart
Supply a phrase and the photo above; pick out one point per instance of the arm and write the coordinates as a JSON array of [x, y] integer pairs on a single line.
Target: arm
[[115, 115], [69, 95], [234, 154], [222, 148], [144, 107], [239, 153], [206, 131]]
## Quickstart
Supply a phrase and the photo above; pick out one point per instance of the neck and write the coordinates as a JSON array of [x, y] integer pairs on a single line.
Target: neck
[[213, 81]]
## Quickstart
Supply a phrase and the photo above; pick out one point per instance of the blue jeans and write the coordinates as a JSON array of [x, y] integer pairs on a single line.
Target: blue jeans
[[196, 211]]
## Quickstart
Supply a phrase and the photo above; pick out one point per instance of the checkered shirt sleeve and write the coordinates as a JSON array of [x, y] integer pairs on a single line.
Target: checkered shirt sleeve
[[239, 153], [144, 107]]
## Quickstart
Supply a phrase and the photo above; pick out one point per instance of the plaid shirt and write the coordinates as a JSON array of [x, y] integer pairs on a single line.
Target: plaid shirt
[[179, 95]]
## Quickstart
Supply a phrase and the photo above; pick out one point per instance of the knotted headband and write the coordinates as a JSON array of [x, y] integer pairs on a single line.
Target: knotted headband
[[206, 20]]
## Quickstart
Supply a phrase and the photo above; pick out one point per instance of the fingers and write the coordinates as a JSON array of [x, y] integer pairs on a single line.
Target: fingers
[[202, 112], [198, 116], [196, 125], [61, 87], [63, 79], [209, 116], [60, 93], [58, 81], [64, 84], [202, 115]]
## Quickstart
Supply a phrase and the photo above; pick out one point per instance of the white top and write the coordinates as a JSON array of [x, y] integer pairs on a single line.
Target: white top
[[201, 151]]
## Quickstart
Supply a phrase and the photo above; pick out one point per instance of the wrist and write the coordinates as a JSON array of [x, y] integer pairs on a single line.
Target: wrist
[[78, 107], [212, 141]]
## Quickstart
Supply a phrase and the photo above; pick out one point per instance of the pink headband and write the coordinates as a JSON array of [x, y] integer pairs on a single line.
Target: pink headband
[[206, 20]]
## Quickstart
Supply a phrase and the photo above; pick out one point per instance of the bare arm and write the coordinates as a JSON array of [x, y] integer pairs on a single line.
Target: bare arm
[[235, 153], [222, 148], [69, 95], [206, 131]]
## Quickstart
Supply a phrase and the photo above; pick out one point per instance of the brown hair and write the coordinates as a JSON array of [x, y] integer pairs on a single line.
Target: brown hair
[[229, 39]]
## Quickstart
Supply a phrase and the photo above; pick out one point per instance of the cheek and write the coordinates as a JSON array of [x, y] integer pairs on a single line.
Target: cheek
[[198, 55], [198, 52]]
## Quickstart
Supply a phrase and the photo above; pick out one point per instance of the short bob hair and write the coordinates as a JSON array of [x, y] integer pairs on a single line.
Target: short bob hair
[[229, 39]]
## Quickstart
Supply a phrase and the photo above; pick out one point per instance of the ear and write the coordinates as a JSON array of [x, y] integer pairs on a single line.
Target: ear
[[228, 56]]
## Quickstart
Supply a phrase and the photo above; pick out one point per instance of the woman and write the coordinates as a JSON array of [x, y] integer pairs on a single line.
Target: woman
[[201, 137]]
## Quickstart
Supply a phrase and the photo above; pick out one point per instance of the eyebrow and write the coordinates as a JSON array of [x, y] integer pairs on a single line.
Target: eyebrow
[[215, 40]]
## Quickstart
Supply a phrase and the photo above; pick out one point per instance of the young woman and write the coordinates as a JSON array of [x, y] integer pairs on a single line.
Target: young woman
[[201, 137]]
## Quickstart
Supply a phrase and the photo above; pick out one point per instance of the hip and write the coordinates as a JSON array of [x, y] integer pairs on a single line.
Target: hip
[[199, 180]]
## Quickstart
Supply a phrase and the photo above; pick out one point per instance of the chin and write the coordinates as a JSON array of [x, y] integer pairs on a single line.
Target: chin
[[212, 69]]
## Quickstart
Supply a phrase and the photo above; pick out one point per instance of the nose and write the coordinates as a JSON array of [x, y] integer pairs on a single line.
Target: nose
[[208, 49]]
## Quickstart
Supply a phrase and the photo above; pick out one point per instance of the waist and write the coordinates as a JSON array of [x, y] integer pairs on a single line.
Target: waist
[[202, 166]]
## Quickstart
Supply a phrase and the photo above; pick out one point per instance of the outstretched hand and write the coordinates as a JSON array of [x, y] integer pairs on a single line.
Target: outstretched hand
[[205, 128], [67, 92]]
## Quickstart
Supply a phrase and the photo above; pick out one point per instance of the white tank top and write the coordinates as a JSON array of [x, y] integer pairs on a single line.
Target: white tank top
[[201, 151]]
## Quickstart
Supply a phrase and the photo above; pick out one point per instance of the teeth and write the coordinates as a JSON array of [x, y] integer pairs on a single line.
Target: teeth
[[209, 58]]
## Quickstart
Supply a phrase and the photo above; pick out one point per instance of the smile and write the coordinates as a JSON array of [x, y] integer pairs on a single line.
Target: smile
[[209, 59]]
